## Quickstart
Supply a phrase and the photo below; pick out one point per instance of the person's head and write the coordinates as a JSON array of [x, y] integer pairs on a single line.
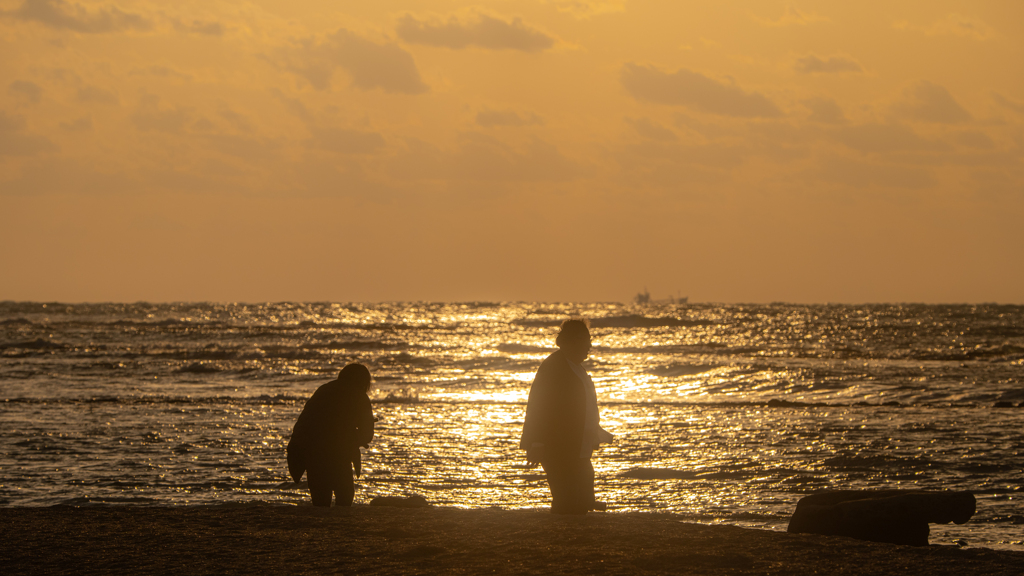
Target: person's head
[[574, 339], [357, 375]]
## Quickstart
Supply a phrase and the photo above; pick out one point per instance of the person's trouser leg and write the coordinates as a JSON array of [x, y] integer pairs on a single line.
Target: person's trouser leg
[[572, 484], [344, 486], [586, 483], [331, 480], [320, 488], [557, 483]]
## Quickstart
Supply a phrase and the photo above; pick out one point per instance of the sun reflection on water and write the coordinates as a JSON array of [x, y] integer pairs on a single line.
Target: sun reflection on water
[[194, 403]]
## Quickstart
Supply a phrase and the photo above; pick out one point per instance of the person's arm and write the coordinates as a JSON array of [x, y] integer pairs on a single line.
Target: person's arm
[[296, 451], [537, 425], [364, 422]]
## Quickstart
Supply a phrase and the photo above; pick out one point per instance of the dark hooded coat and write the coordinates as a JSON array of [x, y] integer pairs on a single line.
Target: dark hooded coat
[[334, 423], [556, 409]]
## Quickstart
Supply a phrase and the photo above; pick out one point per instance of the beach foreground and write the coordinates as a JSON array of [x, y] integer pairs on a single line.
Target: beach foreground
[[251, 539]]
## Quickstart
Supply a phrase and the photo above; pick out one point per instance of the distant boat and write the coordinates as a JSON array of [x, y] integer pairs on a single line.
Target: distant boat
[[644, 299]]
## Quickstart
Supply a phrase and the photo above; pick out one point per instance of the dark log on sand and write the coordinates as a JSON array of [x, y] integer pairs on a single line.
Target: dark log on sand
[[894, 516]]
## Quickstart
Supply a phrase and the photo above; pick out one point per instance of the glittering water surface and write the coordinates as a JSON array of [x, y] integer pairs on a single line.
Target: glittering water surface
[[721, 413]]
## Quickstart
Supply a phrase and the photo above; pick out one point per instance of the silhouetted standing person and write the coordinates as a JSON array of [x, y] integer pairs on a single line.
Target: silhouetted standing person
[[562, 426], [325, 442]]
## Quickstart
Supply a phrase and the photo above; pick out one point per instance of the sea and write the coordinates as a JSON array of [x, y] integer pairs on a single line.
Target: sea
[[722, 413]]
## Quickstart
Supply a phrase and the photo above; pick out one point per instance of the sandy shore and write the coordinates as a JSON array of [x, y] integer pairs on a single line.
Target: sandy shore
[[264, 539]]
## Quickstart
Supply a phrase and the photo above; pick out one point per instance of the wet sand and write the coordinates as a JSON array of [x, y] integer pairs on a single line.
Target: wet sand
[[264, 539]]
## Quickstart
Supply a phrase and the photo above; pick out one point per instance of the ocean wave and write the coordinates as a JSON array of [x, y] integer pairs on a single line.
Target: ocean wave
[[875, 462], [676, 370], [168, 322], [1006, 351], [625, 321], [17, 322], [402, 396], [48, 444], [638, 321], [108, 500], [355, 345], [37, 344], [198, 368], [514, 348], [235, 324], [198, 400], [759, 517], [777, 403], [1015, 519], [404, 358], [217, 400], [658, 474], [303, 351], [738, 473], [211, 353], [985, 468]]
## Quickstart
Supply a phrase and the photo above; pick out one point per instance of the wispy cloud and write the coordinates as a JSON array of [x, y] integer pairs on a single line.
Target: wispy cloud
[[83, 124], [813, 64], [479, 157], [25, 90], [974, 139], [150, 116], [1008, 103], [295, 106], [589, 8], [825, 111], [97, 95], [652, 131], [792, 17], [484, 32], [161, 72], [14, 141], [885, 139], [370, 65], [695, 90], [930, 102], [864, 174], [63, 15], [954, 25], [491, 118], [346, 141], [209, 28], [238, 121]]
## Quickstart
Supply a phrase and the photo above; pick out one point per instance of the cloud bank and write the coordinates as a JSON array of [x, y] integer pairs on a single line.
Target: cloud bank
[[63, 15], [346, 141], [491, 118], [792, 17], [930, 102], [1008, 103], [834, 64], [370, 65], [27, 91], [651, 131], [695, 90], [825, 111], [15, 142], [486, 32]]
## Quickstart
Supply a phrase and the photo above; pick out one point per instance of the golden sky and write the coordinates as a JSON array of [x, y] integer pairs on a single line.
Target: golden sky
[[551, 150]]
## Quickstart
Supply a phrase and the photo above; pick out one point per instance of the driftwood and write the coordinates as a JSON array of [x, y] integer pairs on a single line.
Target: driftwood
[[894, 516]]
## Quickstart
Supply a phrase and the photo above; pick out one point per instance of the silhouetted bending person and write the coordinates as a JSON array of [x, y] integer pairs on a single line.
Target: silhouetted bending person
[[562, 426], [325, 442]]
